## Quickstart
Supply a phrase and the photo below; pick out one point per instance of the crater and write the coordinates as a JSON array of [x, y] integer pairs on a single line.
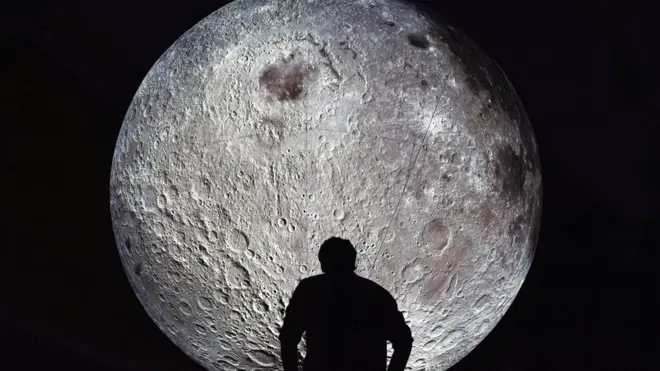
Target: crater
[[200, 329], [418, 40], [185, 308], [451, 340], [435, 234], [284, 81], [205, 303], [237, 276], [238, 241], [262, 358], [481, 303], [413, 272]]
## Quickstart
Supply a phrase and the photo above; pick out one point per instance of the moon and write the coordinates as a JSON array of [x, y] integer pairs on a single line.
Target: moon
[[269, 127]]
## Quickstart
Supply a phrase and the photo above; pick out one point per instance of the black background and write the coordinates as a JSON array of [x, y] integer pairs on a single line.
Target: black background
[[583, 69]]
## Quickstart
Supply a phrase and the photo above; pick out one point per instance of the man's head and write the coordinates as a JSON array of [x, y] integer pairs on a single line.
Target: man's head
[[337, 255]]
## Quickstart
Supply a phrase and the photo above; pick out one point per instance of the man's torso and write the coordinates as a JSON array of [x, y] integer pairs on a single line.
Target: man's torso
[[345, 325]]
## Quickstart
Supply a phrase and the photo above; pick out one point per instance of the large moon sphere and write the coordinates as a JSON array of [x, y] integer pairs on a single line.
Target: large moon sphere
[[271, 126]]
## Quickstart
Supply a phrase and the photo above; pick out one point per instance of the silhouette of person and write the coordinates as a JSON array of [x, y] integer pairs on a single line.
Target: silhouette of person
[[347, 319]]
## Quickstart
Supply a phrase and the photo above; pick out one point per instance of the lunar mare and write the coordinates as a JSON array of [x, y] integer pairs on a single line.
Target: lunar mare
[[271, 126]]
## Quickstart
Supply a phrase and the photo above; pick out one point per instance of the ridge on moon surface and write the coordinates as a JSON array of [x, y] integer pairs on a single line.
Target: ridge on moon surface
[[270, 126]]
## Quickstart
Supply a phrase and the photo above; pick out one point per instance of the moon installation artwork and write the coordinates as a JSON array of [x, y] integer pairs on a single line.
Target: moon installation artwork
[[270, 126]]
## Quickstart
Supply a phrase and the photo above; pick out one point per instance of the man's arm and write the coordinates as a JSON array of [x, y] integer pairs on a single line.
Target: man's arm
[[399, 334], [292, 329]]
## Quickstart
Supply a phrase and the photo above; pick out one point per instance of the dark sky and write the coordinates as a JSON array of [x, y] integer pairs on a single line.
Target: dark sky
[[585, 71]]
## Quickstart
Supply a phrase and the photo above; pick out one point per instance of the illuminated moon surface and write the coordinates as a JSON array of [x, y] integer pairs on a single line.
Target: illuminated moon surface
[[271, 126]]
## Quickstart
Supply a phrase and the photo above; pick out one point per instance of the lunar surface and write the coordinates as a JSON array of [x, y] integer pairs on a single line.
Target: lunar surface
[[271, 126]]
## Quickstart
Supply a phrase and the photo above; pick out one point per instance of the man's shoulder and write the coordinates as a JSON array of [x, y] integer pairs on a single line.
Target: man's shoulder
[[308, 282], [363, 284], [311, 279], [322, 278], [356, 279], [377, 289]]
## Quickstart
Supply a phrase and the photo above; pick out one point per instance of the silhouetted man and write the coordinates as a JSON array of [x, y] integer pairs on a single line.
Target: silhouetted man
[[348, 319]]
